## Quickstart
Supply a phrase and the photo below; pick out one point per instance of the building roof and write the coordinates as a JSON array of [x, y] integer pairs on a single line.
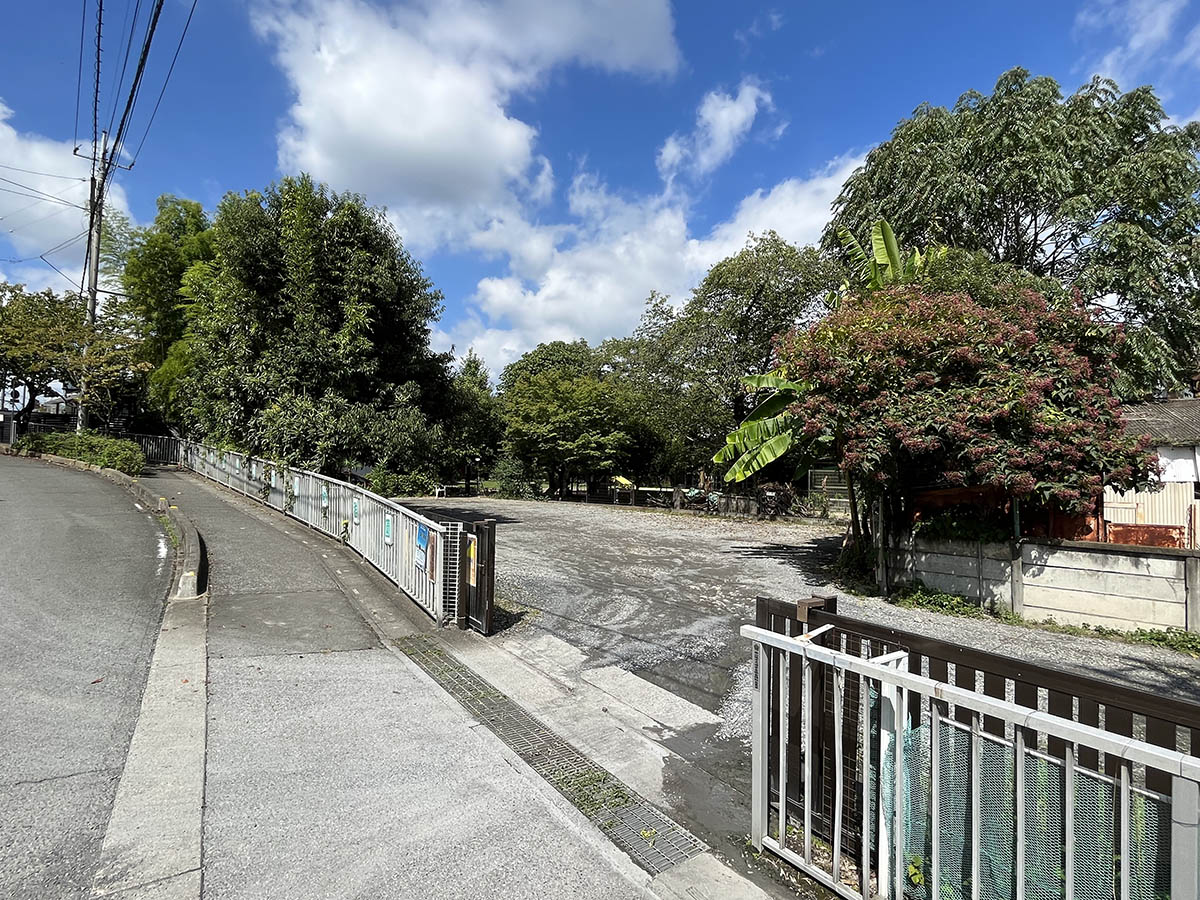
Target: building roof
[[1170, 423]]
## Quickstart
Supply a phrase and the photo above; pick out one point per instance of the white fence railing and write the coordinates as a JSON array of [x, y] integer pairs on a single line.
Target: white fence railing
[[957, 794], [412, 551]]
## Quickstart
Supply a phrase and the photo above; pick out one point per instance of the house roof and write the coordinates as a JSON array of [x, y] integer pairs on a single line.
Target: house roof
[[1170, 423]]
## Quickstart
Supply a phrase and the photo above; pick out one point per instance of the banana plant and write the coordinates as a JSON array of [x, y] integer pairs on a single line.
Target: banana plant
[[885, 265], [767, 433]]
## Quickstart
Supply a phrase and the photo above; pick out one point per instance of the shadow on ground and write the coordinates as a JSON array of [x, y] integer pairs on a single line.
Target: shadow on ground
[[450, 512], [816, 557]]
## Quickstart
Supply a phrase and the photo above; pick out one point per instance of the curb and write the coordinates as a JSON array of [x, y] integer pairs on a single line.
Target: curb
[[152, 843]]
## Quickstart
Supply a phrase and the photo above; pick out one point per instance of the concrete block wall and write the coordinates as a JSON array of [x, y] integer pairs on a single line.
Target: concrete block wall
[[1072, 582], [967, 568]]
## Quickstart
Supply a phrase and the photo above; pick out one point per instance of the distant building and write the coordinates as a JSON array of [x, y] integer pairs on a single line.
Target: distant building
[[1169, 516]]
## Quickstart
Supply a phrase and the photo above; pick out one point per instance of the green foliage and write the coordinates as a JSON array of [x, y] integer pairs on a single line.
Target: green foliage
[[574, 358], [965, 522], [408, 484], [885, 266], [911, 390], [308, 334], [515, 480], [89, 447], [562, 424], [1092, 190], [917, 596], [151, 266], [48, 346], [474, 427]]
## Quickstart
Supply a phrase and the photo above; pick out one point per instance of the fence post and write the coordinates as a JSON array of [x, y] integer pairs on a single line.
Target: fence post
[[1185, 838], [488, 582], [1191, 580], [760, 710], [1016, 576], [462, 614]]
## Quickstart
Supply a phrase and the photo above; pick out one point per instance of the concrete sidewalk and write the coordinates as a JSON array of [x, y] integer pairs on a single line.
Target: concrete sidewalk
[[335, 767]]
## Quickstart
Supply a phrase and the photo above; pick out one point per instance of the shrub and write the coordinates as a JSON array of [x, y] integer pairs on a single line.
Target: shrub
[[407, 484], [775, 499], [89, 447], [514, 480]]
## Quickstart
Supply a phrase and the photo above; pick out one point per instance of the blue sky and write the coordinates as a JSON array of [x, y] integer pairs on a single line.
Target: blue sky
[[550, 161]]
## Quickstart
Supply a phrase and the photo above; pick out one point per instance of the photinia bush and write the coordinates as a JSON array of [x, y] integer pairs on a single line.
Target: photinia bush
[[916, 390]]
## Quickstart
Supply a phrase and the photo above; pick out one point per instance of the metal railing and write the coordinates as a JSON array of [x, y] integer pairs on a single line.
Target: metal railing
[[406, 547], [957, 794]]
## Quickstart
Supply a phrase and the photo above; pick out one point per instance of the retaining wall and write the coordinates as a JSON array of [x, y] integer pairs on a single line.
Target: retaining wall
[[1072, 582]]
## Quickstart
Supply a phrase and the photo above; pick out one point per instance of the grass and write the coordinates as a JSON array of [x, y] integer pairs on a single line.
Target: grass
[[919, 597], [169, 528]]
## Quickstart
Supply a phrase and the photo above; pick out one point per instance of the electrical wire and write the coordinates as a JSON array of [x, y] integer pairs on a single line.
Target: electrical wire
[[128, 46], [79, 75], [42, 199], [60, 246], [43, 174], [31, 189], [134, 90], [166, 81]]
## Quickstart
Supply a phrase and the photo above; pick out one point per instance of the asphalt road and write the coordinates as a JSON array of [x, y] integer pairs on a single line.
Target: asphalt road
[[83, 575]]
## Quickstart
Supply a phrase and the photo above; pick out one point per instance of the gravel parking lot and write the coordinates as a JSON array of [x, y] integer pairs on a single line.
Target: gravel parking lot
[[663, 595]]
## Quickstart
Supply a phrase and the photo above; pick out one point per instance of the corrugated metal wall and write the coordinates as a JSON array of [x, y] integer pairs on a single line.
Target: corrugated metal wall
[[1173, 505]]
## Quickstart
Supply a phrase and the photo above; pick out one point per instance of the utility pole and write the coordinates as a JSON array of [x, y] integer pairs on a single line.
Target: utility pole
[[93, 258]]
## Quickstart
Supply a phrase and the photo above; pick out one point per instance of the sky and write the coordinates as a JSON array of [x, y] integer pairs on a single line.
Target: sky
[[550, 162]]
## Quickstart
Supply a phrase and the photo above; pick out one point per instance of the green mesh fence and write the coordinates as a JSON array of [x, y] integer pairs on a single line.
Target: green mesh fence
[[1097, 862]]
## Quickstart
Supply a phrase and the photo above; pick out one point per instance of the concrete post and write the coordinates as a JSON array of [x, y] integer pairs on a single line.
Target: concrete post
[[1185, 845], [1191, 580], [1017, 580]]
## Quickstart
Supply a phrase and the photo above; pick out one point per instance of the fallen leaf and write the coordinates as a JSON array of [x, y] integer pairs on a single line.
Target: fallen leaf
[[97, 681], [185, 681]]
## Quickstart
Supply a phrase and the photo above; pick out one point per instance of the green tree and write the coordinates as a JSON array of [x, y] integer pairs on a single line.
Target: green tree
[[575, 358], [151, 265], [727, 328], [911, 390], [565, 425], [308, 332], [474, 428], [1093, 190], [48, 348]]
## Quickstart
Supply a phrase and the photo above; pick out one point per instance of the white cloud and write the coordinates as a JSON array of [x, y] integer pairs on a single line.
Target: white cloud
[[1143, 28], [591, 279], [771, 20], [32, 224], [722, 123], [408, 105]]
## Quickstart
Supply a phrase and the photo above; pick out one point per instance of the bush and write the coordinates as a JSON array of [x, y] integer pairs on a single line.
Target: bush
[[89, 447], [408, 484], [966, 522], [514, 480], [775, 499]]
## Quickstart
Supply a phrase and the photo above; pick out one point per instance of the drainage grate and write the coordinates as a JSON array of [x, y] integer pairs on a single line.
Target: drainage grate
[[653, 841]]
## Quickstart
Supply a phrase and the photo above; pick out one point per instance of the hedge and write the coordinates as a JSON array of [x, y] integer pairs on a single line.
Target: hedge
[[110, 453]]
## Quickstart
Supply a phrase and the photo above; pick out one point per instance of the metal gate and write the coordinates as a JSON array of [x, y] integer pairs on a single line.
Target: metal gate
[[920, 788]]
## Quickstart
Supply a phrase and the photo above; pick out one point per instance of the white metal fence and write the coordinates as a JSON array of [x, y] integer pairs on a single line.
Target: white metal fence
[[412, 551], [960, 795]]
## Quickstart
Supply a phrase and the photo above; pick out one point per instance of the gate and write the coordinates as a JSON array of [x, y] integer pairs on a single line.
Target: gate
[[877, 776], [477, 579]]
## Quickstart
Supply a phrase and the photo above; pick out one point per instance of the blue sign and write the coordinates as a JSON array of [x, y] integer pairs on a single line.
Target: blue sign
[[422, 546]]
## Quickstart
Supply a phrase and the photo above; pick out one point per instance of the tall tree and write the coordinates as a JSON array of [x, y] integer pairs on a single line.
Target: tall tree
[[1094, 190], [726, 329], [310, 319]]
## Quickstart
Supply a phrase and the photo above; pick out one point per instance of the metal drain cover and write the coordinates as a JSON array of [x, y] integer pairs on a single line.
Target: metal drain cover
[[653, 841]]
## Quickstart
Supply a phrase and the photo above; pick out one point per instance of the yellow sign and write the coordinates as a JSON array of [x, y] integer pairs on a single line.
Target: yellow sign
[[471, 542]]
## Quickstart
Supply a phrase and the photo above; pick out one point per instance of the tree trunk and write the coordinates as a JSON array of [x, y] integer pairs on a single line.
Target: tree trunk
[[855, 524]]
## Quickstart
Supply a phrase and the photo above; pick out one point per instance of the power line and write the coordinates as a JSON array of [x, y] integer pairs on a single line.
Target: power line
[[128, 46], [166, 81], [134, 89], [60, 246], [16, 212], [79, 74], [50, 215], [42, 199], [70, 280], [43, 174], [33, 190]]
